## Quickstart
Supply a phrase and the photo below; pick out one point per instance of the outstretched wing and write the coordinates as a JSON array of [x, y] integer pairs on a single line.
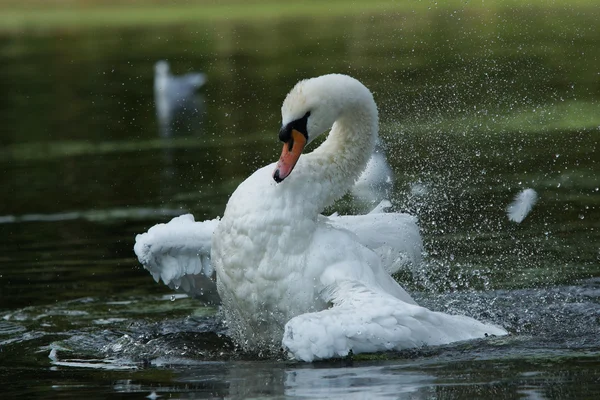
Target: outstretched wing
[[394, 237], [365, 319], [178, 253]]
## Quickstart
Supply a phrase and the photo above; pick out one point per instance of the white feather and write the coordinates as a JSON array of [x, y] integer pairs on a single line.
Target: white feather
[[521, 205], [178, 252]]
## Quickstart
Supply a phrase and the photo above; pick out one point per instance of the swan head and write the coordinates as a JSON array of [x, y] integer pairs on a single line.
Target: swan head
[[310, 109]]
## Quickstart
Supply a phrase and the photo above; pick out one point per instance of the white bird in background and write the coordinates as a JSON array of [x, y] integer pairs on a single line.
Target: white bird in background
[[288, 276], [173, 94], [521, 205]]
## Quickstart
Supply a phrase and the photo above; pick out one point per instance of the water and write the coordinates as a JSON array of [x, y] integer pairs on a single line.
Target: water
[[475, 106]]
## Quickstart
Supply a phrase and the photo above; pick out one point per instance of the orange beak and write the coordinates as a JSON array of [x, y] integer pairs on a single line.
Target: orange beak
[[292, 149]]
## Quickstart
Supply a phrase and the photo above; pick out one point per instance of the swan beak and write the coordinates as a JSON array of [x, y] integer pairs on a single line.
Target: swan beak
[[292, 149]]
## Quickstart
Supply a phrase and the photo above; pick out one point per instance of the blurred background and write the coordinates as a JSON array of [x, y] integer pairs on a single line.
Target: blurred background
[[478, 100]]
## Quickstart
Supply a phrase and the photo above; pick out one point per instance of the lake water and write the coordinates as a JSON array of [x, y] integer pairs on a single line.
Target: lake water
[[475, 106]]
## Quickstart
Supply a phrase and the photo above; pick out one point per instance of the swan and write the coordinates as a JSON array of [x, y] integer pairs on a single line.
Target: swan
[[174, 94], [287, 276]]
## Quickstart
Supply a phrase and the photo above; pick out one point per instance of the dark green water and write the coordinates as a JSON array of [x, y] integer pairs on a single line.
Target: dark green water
[[474, 105]]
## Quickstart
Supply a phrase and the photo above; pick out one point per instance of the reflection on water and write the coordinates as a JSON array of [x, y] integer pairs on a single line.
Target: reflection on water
[[475, 106], [376, 382]]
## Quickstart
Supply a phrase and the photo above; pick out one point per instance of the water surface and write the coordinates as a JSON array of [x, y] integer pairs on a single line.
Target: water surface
[[475, 106]]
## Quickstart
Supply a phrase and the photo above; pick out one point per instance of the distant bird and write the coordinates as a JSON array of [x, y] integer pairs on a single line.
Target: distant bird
[[174, 94], [521, 205], [377, 179]]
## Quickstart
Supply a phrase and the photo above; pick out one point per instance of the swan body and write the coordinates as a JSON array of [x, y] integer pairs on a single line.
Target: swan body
[[319, 286]]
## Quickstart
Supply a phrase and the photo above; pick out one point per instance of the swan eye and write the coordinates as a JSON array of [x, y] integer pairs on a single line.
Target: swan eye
[[299, 125]]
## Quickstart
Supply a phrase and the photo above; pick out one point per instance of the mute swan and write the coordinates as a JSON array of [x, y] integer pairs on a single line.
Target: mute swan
[[289, 277]]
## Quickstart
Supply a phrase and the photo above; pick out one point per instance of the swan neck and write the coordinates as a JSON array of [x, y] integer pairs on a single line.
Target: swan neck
[[343, 155]]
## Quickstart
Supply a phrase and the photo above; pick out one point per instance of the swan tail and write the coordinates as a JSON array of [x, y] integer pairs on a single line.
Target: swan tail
[[363, 320], [178, 253]]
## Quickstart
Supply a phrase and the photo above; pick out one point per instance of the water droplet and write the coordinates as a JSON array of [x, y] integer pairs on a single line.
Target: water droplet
[[172, 297]]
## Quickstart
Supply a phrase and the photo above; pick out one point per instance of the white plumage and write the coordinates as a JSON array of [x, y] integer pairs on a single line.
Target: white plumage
[[289, 276], [178, 253], [521, 205]]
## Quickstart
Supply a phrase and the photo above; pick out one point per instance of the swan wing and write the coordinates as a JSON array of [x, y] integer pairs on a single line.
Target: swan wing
[[376, 180], [365, 319], [394, 237], [178, 253]]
